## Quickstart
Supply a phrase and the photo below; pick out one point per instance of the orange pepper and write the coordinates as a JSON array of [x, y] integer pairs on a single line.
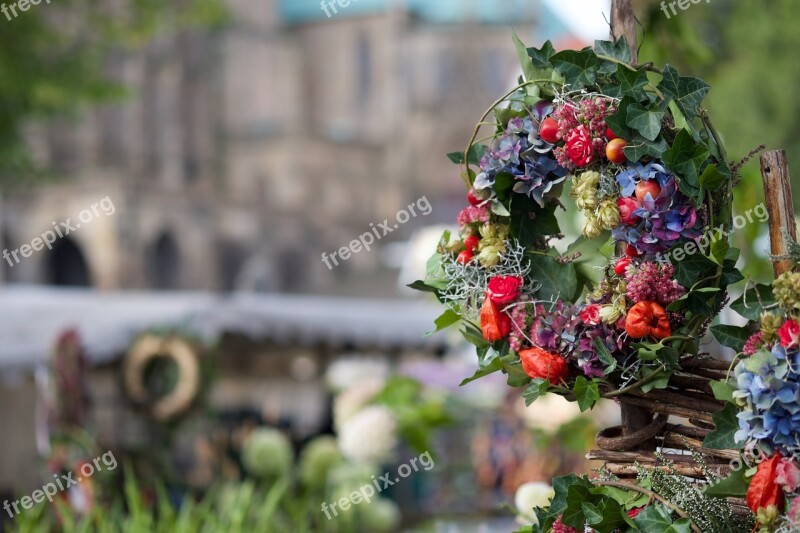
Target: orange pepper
[[647, 319]]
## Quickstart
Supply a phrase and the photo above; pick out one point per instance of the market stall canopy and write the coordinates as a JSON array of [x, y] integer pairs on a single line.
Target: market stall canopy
[[109, 321]]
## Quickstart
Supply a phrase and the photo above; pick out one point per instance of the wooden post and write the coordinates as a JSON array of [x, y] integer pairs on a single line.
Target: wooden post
[[778, 195], [623, 22]]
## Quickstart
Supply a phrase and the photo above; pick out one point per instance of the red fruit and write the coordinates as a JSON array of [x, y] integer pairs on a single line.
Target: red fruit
[[615, 151], [464, 257], [621, 265], [647, 186], [610, 135], [540, 364], [631, 251], [548, 131], [471, 243], [472, 199]]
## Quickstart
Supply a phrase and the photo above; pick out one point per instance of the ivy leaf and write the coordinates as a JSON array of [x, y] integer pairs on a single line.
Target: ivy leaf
[[556, 280], [656, 517], [733, 486], [529, 222], [691, 269], [688, 92], [726, 425], [712, 179], [535, 390], [660, 382], [752, 302], [685, 159], [586, 392], [632, 82], [618, 50], [618, 122], [578, 68], [561, 486], [540, 57], [476, 152], [645, 120], [640, 147], [731, 336]]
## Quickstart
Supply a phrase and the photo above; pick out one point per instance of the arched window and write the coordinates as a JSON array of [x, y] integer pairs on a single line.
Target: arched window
[[66, 265], [164, 264]]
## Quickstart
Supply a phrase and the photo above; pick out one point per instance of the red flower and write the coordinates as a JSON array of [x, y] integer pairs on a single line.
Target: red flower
[[622, 265], [579, 146], [787, 475], [789, 334], [503, 290], [764, 490], [647, 319], [591, 314], [495, 324], [540, 364], [626, 208]]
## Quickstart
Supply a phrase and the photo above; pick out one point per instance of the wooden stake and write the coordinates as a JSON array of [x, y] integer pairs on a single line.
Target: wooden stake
[[778, 194], [623, 22]]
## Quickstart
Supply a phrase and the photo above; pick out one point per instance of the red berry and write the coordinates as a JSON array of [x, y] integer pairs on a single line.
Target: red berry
[[472, 199], [464, 257], [647, 186], [632, 251], [615, 151], [471, 243], [548, 131], [621, 265], [610, 135]]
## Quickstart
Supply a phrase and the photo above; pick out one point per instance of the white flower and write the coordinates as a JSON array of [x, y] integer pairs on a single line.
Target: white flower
[[350, 371], [353, 400], [370, 436], [548, 413], [530, 495]]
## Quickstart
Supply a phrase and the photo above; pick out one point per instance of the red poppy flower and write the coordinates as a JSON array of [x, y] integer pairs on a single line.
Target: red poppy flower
[[540, 364], [647, 319], [495, 324]]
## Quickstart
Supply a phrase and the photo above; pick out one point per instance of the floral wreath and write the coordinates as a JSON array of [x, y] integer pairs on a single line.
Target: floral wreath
[[644, 165]]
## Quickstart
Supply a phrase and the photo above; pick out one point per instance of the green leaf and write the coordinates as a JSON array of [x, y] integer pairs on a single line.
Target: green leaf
[[556, 280], [733, 486], [578, 68], [726, 425], [685, 159], [659, 382], [692, 269], [524, 60], [632, 82], [561, 486], [476, 152], [687, 92], [494, 366], [618, 122], [645, 120], [723, 390], [753, 301], [586, 392], [529, 222], [639, 147], [540, 57], [712, 179], [731, 336], [618, 50], [536, 389], [605, 356], [658, 518], [447, 319], [420, 285]]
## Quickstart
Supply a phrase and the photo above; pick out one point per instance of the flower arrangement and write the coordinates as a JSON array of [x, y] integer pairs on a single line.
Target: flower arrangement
[[642, 162], [631, 150]]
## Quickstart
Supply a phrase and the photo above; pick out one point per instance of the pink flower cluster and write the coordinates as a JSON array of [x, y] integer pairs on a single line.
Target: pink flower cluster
[[590, 113], [653, 282], [471, 214], [753, 344], [516, 338]]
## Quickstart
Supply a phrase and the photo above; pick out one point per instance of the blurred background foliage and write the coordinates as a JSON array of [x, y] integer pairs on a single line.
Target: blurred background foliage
[[53, 60]]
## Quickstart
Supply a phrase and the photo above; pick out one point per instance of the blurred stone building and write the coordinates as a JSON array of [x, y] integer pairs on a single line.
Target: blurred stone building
[[244, 153]]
